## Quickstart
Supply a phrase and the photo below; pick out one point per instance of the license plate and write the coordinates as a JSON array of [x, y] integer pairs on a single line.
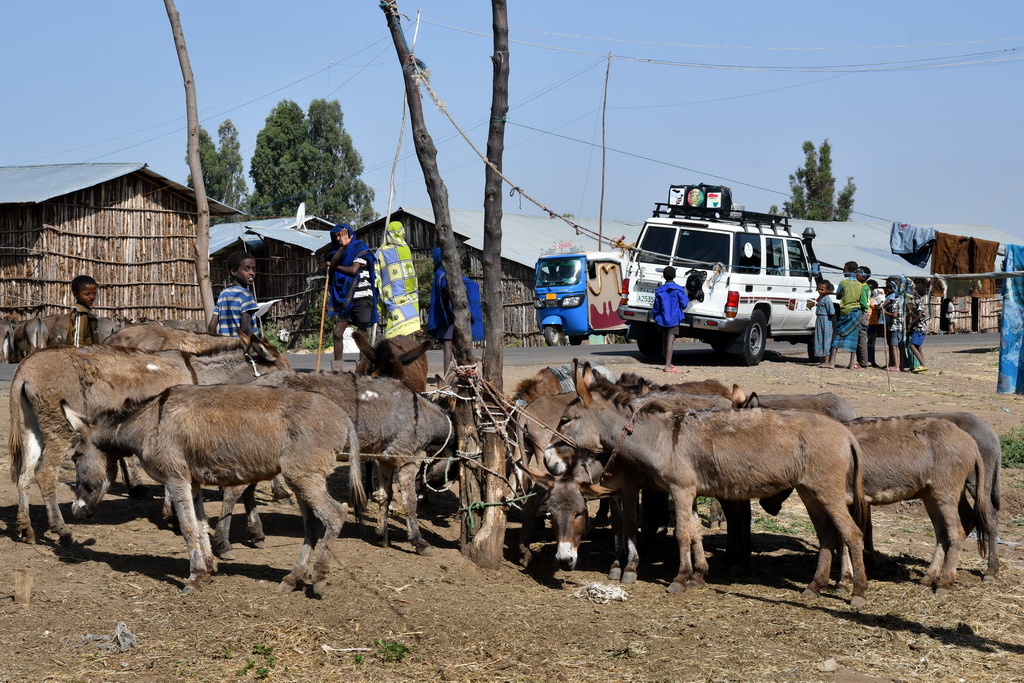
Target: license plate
[[550, 295], [644, 292]]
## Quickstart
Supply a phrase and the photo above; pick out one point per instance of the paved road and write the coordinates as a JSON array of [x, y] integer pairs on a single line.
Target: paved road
[[687, 353]]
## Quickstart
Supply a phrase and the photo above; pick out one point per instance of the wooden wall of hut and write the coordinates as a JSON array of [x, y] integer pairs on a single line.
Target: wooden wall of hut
[[134, 236]]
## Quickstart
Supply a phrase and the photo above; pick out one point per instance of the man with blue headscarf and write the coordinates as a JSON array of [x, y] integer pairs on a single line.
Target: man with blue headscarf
[[353, 295], [441, 318]]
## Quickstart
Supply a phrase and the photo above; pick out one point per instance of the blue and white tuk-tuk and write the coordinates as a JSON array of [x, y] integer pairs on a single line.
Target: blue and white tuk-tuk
[[577, 294]]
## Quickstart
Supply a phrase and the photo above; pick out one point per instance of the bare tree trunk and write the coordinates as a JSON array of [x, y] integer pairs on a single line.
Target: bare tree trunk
[[202, 256], [490, 542], [467, 439]]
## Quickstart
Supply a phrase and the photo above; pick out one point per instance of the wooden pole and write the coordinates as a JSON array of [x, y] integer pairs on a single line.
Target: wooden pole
[[202, 254], [489, 543], [323, 319], [23, 587]]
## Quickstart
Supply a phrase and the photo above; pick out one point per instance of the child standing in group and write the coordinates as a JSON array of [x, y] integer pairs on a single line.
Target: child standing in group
[[893, 320], [83, 328], [670, 301], [824, 322], [851, 305], [236, 305], [918, 325], [874, 321]]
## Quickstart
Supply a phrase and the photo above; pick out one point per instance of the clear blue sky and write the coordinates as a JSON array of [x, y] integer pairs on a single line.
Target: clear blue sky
[[922, 102]]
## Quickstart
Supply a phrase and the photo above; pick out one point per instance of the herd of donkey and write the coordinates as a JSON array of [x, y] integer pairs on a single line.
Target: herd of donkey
[[197, 410]]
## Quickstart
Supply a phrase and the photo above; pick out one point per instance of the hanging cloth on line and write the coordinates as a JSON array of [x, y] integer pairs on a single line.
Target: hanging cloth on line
[[956, 255], [912, 243], [1011, 333]]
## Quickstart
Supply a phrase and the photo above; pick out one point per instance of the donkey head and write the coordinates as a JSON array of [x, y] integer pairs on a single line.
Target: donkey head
[[94, 469], [400, 358]]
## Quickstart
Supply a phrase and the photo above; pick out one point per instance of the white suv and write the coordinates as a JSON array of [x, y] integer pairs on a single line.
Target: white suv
[[748, 277]]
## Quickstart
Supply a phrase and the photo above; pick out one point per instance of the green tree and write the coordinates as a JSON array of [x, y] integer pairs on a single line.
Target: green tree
[[223, 173], [813, 188], [309, 158]]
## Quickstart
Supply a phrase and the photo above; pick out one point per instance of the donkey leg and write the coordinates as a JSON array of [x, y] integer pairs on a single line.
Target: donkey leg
[[630, 501], [300, 571], [531, 508], [828, 542], [203, 528], [222, 535], [948, 537], [278, 491], [23, 525], [332, 516], [387, 475], [699, 559], [618, 534], [46, 479], [851, 536], [407, 484], [252, 517], [683, 498], [132, 479], [180, 495]]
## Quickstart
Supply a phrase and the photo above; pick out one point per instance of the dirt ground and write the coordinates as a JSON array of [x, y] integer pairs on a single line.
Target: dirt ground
[[392, 615]]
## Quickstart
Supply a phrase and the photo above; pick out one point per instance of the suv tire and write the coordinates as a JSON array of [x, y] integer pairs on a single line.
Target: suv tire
[[755, 339], [651, 345]]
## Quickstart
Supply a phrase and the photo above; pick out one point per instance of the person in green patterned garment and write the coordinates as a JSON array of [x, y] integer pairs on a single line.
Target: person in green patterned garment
[[396, 282]]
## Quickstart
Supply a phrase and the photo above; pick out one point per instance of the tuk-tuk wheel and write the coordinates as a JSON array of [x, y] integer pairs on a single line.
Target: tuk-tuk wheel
[[554, 336]]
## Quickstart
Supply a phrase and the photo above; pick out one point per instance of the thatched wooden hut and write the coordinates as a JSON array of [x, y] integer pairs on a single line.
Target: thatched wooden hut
[[131, 229], [524, 239]]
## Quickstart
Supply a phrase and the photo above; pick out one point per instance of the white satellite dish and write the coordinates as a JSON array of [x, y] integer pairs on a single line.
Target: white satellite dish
[[300, 217]]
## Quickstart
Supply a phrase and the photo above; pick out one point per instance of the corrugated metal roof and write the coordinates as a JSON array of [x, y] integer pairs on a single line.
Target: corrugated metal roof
[[523, 238], [35, 184], [867, 243], [230, 236]]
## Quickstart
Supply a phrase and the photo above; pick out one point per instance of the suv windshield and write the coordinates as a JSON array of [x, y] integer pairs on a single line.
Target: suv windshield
[[558, 272]]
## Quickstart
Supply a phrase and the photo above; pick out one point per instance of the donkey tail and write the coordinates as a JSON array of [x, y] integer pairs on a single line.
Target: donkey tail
[[984, 517], [356, 490], [859, 510], [15, 447]]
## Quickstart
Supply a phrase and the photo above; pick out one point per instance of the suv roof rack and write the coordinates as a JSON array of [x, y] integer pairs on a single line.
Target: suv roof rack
[[742, 217]]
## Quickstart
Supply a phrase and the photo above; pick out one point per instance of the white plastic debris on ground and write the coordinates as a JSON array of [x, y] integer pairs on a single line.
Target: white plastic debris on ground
[[601, 593], [121, 641]]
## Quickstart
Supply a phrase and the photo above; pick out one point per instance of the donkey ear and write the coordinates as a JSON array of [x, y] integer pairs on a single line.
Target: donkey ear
[[595, 490], [542, 478], [414, 353], [364, 345], [752, 402], [259, 348], [76, 420], [582, 384], [738, 397]]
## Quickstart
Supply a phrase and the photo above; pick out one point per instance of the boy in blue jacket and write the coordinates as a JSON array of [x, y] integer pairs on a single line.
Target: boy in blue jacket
[[670, 301]]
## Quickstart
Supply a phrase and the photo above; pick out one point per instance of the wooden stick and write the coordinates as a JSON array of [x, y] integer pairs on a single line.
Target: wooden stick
[[23, 587], [323, 318]]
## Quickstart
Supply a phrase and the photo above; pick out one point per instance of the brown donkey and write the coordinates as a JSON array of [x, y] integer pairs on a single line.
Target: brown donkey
[[226, 435], [732, 455], [98, 378]]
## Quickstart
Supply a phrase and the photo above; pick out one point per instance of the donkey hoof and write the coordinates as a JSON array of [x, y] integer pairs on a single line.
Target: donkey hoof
[[614, 574], [843, 590], [858, 601], [319, 588], [941, 591], [674, 587], [259, 544], [809, 593], [287, 585], [695, 582], [424, 549], [27, 536], [226, 554], [189, 588], [628, 577], [988, 578], [66, 539]]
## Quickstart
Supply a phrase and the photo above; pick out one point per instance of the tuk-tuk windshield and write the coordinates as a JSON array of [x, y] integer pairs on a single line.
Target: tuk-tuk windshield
[[559, 272]]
